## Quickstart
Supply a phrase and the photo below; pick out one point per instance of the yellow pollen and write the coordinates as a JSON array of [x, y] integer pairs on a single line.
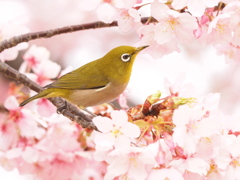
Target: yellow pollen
[[207, 139], [212, 169], [172, 23], [221, 28], [230, 54], [133, 160], [116, 132], [235, 163]]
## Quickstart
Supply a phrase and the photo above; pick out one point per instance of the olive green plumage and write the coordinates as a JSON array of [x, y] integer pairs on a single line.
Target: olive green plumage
[[96, 82]]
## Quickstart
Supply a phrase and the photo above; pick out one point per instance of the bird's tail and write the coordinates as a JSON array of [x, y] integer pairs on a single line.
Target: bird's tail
[[43, 94]]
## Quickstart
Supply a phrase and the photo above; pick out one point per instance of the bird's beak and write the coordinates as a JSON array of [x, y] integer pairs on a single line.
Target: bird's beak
[[141, 48]]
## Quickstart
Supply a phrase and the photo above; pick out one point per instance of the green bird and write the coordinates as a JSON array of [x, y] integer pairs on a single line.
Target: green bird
[[96, 82]]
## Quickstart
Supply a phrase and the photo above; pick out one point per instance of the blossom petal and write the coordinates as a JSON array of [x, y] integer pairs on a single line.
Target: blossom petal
[[103, 124], [131, 130], [119, 117], [11, 103]]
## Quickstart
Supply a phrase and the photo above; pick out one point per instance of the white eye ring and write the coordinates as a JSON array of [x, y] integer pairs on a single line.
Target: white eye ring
[[125, 57]]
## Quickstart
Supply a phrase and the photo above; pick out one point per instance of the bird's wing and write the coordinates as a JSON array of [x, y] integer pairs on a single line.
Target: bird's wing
[[85, 77]]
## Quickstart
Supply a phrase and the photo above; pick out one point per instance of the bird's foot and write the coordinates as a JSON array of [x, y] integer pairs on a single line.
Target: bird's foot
[[61, 108]]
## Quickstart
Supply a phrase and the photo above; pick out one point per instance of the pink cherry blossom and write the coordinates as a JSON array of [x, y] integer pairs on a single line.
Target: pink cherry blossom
[[162, 174], [7, 31], [147, 35], [45, 107], [86, 5], [120, 10], [195, 7], [57, 130], [192, 123], [162, 152], [33, 58], [46, 71], [178, 87], [8, 134], [38, 59], [127, 19], [117, 132], [107, 17], [129, 162], [10, 159], [23, 118], [192, 164], [236, 37], [172, 25], [233, 9], [122, 100], [230, 52], [219, 29], [233, 169], [209, 147], [170, 31]]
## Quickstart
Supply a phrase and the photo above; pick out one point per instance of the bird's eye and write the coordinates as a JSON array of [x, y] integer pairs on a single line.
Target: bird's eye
[[125, 57]]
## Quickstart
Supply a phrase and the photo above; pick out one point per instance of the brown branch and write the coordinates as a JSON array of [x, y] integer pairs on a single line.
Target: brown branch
[[52, 32], [73, 113]]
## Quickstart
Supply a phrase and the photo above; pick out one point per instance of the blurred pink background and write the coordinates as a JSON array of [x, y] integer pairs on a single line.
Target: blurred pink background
[[203, 68]]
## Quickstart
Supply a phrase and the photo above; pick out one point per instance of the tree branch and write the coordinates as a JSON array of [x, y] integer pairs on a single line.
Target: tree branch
[[53, 32], [73, 113]]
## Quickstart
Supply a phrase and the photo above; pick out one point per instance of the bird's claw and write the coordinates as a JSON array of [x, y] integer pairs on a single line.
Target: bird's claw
[[59, 109]]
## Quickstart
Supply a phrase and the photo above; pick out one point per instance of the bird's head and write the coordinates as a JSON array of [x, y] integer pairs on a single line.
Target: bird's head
[[118, 62]]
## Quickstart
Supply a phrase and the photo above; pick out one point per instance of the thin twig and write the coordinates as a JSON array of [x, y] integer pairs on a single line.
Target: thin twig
[[53, 32]]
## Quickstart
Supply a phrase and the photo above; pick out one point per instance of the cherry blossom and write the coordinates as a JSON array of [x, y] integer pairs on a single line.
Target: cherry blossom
[[127, 19], [43, 73], [8, 30], [23, 118], [170, 30], [192, 164], [219, 27], [130, 162], [162, 174], [122, 100], [178, 87], [193, 123], [233, 169], [172, 25], [116, 132], [34, 57], [230, 52], [195, 7]]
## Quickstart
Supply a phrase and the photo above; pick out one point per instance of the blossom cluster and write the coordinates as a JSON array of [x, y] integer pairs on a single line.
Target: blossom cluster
[[178, 22], [171, 25], [211, 22], [186, 138], [171, 137]]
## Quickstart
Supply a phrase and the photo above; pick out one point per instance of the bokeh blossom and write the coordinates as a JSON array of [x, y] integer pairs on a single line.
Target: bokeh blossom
[[8, 30], [195, 7]]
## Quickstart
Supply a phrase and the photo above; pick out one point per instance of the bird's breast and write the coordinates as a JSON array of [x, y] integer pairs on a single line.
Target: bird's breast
[[93, 97]]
